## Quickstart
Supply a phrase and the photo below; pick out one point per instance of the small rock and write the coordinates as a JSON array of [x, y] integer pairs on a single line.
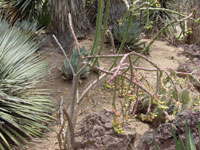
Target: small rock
[[97, 134], [108, 125], [98, 131]]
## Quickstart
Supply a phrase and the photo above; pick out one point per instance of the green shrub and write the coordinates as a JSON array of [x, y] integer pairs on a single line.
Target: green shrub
[[24, 108], [74, 60]]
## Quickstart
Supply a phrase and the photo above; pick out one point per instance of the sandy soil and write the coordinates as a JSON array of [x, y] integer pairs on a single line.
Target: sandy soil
[[162, 54]]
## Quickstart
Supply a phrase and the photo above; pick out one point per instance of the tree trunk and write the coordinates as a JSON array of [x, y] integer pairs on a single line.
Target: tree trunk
[[194, 38], [116, 11], [60, 10]]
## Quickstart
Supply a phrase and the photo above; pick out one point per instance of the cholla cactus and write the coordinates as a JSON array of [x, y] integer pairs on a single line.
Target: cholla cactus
[[74, 60]]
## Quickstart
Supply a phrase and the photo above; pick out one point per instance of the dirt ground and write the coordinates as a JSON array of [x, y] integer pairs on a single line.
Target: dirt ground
[[161, 53]]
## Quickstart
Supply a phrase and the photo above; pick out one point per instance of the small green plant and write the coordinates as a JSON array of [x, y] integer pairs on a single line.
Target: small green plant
[[74, 61], [133, 37], [180, 145]]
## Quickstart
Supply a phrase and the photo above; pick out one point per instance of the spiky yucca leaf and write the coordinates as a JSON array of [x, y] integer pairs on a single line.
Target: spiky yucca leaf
[[24, 108], [74, 60], [14, 10], [180, 145]]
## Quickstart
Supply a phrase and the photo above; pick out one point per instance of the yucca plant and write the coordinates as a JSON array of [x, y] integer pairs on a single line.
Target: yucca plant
[[30, 28], [31, 10], [74, 59], [24, 108], [133, 37], [43, 17]]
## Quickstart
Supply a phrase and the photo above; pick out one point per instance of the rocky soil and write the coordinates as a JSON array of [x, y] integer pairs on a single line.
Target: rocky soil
[[95, 132], [163, 133], [192, 65]]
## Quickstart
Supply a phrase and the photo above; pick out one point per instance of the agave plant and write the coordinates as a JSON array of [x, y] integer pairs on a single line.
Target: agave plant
[[74, 60], [133, 37], [24, 108]]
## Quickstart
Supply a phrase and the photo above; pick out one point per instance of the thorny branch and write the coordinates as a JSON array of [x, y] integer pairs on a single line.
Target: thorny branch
[[71, 128]]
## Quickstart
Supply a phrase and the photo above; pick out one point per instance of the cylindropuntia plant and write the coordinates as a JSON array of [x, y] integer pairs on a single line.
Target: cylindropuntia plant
[[74, 61]]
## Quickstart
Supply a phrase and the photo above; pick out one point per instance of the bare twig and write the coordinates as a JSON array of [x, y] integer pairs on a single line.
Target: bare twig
[[61, 111], [158, 83], [61, 135], [123, 55], [95, 82], [68, 61], [73, 33], [136, 103], [174, 84], [73, 100], [112, 40], [71, 128], [173, 12], [149, 107], [111, 73], [104, 56], [118, 67]]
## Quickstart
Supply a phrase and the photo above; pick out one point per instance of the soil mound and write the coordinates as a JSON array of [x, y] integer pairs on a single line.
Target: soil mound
[[95, 132]]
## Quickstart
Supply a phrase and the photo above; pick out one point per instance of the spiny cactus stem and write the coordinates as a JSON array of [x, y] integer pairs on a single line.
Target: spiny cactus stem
[[124, 37], [104, 30], [98, 27]]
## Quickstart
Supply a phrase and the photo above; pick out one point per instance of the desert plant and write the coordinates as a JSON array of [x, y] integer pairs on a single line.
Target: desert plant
[[31, 10], [133, 37], [43, 17], [30, 28], [24, 108], [74, 61], [189, 141], [154, 20]]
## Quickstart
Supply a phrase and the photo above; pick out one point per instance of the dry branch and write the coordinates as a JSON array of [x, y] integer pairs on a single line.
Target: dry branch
[[67, 59]]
